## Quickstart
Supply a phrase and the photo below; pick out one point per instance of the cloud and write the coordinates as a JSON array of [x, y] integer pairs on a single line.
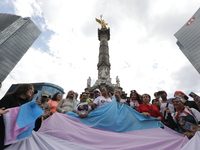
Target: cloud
[[142, 46]]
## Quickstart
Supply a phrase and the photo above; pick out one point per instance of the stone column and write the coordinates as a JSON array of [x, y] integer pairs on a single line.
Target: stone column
[[103, 65]]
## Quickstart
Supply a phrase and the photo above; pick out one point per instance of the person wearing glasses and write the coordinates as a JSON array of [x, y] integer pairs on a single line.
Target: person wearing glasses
[[97, 93], [67, 104]]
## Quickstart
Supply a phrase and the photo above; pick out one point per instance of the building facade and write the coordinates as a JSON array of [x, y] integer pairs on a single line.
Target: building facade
[[189, 40], [17, 34], [40, 88]]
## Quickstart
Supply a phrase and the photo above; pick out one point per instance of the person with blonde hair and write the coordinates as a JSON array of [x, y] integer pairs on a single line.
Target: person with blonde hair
[[67, 104]]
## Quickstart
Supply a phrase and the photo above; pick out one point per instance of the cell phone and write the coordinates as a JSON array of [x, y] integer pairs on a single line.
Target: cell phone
[[192, 94], [195, 96]]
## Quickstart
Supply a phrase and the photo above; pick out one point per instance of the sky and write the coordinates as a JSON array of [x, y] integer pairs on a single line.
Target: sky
[[142, 46]]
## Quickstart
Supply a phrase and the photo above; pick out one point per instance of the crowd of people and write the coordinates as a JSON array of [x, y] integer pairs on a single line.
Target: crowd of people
[[178, 113]]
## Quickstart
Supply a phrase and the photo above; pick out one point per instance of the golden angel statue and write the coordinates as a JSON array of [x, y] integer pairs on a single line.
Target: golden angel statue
[[102, 22]]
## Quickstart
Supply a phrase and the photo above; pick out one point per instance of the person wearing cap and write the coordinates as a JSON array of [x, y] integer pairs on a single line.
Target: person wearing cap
[[102, 100], [43, 103], [97, 93], [182, 117], [186, 102], [163, 104], [44, 100]]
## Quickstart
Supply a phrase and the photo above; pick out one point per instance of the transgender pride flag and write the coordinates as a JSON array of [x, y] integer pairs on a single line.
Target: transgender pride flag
[[112, 127], [118, 118], [20, 121]]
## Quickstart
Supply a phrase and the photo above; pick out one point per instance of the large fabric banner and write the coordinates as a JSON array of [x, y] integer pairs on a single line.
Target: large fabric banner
[[63, 132], [194, 143], [118, 117], [20, 121], [73, 130], [114, 126]]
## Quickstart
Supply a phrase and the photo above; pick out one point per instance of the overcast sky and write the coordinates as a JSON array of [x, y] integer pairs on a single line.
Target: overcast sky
[[142, 46]]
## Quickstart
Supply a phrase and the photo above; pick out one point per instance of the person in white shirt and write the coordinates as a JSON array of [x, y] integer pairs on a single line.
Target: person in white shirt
[[163, 104], [102, 100], [83, 108]]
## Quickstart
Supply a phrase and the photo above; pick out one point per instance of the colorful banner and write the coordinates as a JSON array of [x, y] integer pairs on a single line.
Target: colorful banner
[[20, 121]]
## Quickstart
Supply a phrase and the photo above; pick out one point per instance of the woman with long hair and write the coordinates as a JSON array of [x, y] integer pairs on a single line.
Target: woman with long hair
[[135, 100], [54, 101], [67, 104], [21, 95]]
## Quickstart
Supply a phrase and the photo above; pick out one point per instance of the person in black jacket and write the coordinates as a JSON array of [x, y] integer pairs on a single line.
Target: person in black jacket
[[21, 95]]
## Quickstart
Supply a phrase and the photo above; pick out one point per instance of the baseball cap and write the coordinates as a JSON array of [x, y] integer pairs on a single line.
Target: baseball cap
[[170, 100], [185, 96], [45, 93], [97, 90]]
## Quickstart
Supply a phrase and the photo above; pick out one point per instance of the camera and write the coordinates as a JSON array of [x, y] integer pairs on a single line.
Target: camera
[[195, 96]]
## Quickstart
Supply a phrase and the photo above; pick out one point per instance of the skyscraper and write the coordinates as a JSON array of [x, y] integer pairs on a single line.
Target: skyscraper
[[17, 34], [189, 40]]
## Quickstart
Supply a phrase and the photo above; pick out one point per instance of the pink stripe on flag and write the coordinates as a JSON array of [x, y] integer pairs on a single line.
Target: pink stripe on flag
[[11, 128], [72, 130]]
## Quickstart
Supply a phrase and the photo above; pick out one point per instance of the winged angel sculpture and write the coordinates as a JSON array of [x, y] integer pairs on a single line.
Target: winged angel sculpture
[[102, 22]]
